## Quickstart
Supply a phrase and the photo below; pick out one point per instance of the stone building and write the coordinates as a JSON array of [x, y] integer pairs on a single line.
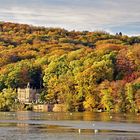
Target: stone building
[[43, 107], [27, 95]]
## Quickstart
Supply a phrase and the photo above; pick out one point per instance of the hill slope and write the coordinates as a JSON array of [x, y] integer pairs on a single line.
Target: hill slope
[[84, 70]]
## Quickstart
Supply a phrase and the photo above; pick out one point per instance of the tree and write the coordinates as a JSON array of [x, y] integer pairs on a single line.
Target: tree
[[106, 99], [131, 106], [7, 99]]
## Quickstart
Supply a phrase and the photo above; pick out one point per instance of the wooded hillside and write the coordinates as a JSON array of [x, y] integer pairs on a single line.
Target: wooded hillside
[[84, 70]]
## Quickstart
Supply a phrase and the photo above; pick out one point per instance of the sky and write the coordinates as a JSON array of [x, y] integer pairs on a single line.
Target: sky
[[92, 15]]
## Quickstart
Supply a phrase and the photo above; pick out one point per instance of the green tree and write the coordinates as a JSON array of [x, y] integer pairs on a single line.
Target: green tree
[[131, 106], [7, 99], [106, 99]]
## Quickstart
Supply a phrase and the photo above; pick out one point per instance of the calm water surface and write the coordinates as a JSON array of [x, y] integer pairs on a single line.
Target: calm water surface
[[69, 126]]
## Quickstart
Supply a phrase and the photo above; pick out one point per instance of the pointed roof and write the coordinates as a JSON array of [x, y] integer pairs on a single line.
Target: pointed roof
[[28, 85]]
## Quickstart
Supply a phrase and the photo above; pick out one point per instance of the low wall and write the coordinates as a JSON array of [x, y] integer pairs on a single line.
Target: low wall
[[59, 108]]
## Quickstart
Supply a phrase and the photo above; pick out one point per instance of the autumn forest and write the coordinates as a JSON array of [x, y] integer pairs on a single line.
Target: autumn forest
[[86, 71]]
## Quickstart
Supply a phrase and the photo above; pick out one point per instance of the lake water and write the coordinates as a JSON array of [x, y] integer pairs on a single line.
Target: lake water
[[68, 126]]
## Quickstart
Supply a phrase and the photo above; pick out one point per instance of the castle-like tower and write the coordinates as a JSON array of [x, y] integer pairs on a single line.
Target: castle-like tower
[[27, 95]]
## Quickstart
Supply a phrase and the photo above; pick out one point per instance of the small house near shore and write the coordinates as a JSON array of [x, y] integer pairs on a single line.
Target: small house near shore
[[43, 107]]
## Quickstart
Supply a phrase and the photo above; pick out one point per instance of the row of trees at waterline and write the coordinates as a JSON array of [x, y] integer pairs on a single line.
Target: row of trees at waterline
[[86, 71]]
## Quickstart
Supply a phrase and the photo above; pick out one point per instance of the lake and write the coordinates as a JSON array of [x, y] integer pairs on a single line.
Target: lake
[[68, 126]]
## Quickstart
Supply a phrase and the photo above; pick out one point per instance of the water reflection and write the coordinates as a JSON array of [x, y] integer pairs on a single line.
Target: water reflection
[[69, 126]]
